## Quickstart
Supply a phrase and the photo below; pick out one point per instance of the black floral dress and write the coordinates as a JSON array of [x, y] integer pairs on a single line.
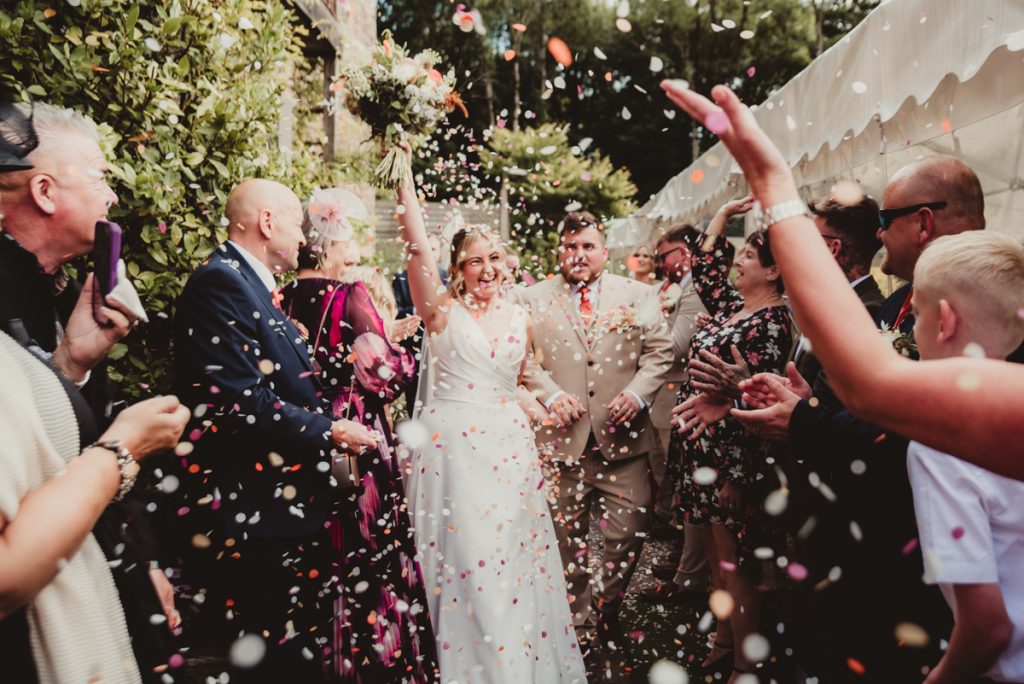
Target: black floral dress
[[764, 339]]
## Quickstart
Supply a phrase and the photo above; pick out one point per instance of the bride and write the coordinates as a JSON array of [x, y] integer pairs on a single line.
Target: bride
[[494, 580]]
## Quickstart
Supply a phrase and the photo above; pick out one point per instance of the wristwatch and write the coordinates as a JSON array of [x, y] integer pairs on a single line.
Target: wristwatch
[[124, 459], [781, 212]]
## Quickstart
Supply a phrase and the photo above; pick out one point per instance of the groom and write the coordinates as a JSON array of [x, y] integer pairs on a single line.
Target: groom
[[259, 477], [603, 351]]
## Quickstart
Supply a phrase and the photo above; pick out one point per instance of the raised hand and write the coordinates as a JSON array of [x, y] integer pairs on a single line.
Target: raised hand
[[86, 343], [763, 166], [714, 376], [737, 207]]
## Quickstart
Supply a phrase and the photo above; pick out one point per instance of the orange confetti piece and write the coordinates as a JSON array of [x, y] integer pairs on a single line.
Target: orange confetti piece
[[49, 13], [314, 573], [436, 436], [510, 55], [947, 125], [560, 51], [855, 666], [371, 619], [697, 176], [193, 468], [519, 27], [259, 467], [608, 76], [98, 69], [336, 87]]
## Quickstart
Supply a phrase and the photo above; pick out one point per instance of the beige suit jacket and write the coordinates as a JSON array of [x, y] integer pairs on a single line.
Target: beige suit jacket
[[682, 323], [625, 347]]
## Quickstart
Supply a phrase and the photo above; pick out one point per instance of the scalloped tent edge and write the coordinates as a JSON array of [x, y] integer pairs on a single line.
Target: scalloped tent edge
[[912, 79]]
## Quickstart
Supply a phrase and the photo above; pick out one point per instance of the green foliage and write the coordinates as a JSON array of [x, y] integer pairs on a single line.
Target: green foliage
[[187, 94], [546, 177]]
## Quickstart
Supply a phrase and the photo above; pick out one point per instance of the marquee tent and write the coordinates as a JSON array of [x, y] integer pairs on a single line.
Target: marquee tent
[[915, 78]]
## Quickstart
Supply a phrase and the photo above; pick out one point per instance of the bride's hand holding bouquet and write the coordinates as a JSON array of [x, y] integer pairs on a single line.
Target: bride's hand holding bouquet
[[403, 98]]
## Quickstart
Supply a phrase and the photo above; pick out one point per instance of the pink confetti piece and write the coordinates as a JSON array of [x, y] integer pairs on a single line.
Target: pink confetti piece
[[958, 532], [716, 122], [751, 71], [797, 572], [909, 547]]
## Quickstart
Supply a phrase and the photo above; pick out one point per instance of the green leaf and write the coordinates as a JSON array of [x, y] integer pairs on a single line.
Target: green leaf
[[172, 25], [130, 19], [37, 90]]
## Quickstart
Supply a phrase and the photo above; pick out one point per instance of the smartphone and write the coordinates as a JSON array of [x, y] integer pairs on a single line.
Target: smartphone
[[106, 252]]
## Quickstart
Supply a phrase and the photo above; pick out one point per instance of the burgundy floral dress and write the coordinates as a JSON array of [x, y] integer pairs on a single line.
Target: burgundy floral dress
[[382, 632], [764, 339]]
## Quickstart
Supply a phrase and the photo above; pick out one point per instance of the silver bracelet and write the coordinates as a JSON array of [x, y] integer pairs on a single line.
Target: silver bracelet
[[781, 212], [124, 459]]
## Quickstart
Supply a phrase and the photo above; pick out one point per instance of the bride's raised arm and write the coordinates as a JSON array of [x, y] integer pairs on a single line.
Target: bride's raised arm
[[428, 292]]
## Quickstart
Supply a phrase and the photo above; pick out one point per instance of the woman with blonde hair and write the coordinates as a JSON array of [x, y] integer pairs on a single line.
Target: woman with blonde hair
[[483, 529]]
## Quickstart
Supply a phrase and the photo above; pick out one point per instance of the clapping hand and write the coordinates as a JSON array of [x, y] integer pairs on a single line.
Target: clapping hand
[[775, 398], [404, 328], [713, 375], [697, 412]]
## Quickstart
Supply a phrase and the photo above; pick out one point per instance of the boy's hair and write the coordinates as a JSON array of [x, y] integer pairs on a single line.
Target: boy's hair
[[983, 273]]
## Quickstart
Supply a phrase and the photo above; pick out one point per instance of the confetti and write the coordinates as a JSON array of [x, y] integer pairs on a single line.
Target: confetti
[[721, 603], [667, 672], [247, 651], [756, 648], [747, 34], [911, 634], [859, 87], [957, 533], [716, 122], [560, 51], [656, 64], [705, 475], [623, 25]]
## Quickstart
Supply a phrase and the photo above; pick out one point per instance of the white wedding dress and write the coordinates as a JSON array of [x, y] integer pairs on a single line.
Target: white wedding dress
[[495, 585]]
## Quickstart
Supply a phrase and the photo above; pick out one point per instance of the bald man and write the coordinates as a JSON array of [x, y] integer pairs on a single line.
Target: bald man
[[258, 480]]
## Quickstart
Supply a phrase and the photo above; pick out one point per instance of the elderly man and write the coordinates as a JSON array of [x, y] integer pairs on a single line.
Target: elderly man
[[260, 471], [864, 522], [48, 214]]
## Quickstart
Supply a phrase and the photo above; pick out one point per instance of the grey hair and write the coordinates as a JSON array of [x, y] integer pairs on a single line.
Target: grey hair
[[50, 121]]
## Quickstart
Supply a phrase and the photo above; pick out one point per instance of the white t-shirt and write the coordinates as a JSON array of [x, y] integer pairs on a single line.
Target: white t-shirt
[[971, 526]]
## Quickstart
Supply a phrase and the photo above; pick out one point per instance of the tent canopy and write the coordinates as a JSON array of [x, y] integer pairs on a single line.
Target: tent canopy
[[915, 78]]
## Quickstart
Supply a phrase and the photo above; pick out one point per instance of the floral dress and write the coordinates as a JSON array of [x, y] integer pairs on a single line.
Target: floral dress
[[382, 632], [764, 339]]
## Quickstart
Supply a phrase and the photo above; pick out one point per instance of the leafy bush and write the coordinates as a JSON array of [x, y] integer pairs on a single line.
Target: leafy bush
[[187, 94], [548, 177]]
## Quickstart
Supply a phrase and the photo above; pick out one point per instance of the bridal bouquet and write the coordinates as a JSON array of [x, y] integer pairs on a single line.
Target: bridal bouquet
[[403, 98]]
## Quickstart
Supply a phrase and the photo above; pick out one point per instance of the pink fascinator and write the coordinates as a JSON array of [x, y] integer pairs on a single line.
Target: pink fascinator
[[330, 212]]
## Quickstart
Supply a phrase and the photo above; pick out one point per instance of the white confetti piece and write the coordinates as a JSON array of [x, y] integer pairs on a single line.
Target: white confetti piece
[[859, 87], [247, 651], [656, 64], [756, 648]]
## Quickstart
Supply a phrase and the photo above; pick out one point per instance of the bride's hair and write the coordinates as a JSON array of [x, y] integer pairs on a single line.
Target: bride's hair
[[461, 242]]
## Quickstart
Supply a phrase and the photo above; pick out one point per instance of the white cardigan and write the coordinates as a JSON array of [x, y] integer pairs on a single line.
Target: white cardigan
[[76, 625]]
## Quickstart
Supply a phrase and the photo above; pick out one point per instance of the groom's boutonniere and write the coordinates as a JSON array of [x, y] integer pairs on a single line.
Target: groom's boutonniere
[[670, 298], [902, 342], [620, 319]]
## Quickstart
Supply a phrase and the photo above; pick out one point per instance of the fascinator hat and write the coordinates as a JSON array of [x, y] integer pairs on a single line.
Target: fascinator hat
[[329, 214]]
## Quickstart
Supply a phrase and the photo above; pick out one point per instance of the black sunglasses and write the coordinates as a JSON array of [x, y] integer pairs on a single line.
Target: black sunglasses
[[887, 216], [662, 257]]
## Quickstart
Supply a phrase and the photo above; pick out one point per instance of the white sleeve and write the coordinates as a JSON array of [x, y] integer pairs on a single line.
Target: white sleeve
[[952, 518]]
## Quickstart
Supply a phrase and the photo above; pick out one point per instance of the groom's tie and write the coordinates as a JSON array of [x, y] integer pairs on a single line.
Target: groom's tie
[[586, 308]]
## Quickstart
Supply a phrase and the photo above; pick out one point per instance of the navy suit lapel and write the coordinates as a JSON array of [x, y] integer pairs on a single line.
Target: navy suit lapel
[[272, 314]]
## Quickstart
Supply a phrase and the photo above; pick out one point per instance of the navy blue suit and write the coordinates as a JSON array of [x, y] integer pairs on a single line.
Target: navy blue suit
[[258, 481]]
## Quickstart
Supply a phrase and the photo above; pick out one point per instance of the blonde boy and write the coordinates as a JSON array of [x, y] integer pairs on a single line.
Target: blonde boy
[[968, 299]]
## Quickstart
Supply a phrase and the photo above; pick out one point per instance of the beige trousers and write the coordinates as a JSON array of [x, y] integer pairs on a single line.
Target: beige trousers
[[621, 491]]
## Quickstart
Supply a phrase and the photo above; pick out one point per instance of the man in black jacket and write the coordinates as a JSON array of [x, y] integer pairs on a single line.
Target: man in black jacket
[[259, 476]]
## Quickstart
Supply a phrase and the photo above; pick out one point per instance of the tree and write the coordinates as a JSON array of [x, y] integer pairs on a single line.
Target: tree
[[548, 176], [187, 94]]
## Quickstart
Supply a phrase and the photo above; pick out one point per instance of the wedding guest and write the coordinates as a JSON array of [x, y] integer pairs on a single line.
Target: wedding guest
[[49, 208], [967, 291], [382, 630], [642, 265], [752, 316], [257, 484], [870, 377], [61, 619], [383, 298], [684, 568]]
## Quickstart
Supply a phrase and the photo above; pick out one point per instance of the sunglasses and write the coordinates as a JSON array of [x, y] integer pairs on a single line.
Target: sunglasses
[[663, 256], [887, 216]]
